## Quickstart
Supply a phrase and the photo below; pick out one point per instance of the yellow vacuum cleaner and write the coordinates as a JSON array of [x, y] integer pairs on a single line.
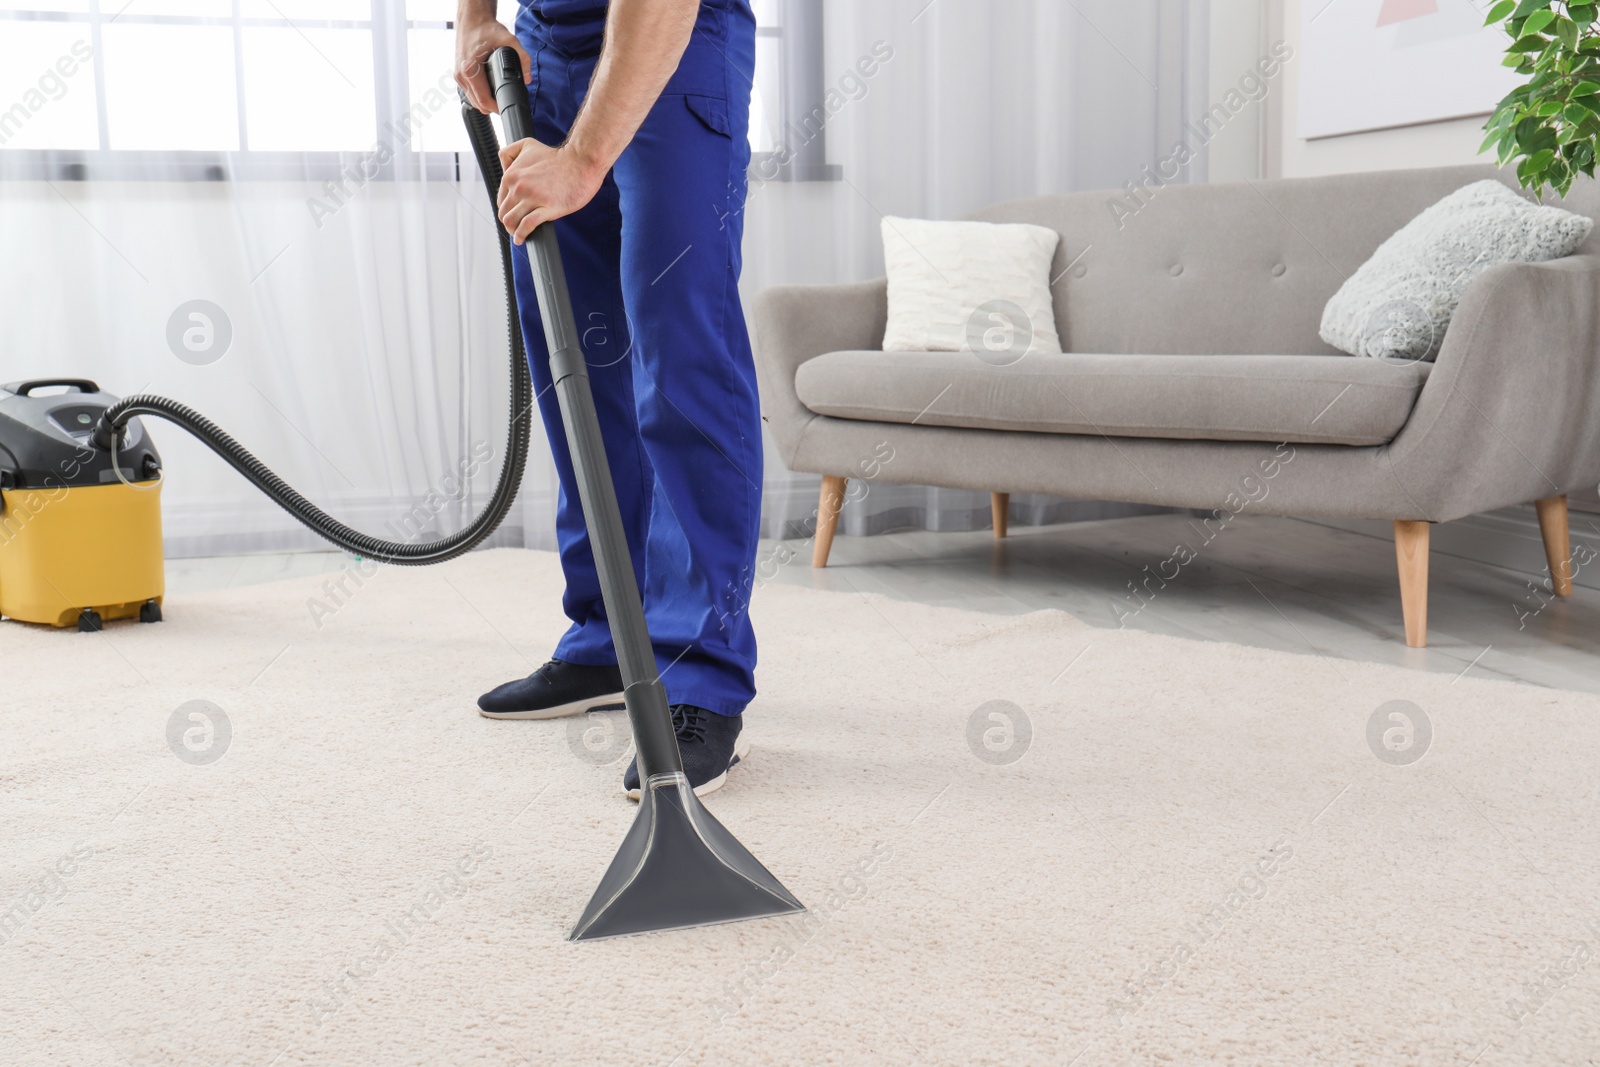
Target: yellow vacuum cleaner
[[78, 544]]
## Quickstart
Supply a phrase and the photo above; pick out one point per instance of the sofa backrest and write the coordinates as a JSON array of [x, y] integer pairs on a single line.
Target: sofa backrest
[[1240, 268]]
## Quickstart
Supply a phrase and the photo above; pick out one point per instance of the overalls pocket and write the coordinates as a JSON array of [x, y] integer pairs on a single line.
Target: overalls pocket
[[712, 113]]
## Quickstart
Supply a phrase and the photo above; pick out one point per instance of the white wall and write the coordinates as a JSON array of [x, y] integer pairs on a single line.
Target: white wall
[[1262, 141], [1434, 144]]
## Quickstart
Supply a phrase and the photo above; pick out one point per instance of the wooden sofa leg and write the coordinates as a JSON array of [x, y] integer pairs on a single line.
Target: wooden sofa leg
[[1411, 553], [1000, 504], [828, 506], [1557, 543]]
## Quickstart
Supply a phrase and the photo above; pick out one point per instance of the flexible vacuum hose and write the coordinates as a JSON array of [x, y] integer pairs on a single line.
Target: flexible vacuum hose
[[486, 147]]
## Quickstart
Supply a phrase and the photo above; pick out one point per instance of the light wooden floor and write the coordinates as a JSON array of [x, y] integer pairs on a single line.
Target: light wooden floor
[[1287, 584]]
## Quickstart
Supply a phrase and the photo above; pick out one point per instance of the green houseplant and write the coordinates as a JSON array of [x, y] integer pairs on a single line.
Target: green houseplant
[[1551, 124]]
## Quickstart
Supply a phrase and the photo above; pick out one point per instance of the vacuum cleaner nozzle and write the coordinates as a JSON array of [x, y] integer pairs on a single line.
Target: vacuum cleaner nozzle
[[679, 867]]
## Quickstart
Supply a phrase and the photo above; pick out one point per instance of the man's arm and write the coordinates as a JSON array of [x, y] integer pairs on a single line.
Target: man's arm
[[644, 41]]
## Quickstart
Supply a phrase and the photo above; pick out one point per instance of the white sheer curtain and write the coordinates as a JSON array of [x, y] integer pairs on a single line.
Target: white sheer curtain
[[268, 210], [981, 101], [292, 172]]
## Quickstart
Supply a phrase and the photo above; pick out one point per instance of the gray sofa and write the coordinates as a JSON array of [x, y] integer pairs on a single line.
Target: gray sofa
[[1193, 375]]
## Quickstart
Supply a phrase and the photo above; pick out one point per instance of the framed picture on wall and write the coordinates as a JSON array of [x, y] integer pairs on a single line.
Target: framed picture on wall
[[1375, 64]]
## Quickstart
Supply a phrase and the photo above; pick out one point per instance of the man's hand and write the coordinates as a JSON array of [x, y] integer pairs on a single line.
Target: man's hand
[[543, 183], [477, 35]]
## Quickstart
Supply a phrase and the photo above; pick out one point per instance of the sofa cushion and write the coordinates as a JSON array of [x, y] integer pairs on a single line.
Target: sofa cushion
[[969, 286], [1401, 300], [1336, 400]]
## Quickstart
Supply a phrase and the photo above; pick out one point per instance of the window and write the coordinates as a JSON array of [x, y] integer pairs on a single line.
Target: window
[[215, 88], [219, 89], [766, 92], [787, 138]]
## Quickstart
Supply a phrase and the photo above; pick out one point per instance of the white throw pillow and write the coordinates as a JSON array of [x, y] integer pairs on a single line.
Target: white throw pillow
[[1398, 303], [982, 287]]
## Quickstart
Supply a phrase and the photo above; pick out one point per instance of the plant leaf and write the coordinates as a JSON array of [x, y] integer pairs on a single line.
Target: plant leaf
[[1537, 21]]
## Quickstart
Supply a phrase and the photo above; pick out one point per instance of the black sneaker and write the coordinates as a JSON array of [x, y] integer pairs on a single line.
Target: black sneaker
[[711, 745], [556, 689]]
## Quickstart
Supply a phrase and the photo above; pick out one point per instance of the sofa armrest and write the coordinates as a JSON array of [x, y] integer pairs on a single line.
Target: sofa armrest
[[794, 323], [1511, 411]]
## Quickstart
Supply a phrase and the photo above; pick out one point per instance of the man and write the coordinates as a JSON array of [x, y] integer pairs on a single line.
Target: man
[[640, 111]]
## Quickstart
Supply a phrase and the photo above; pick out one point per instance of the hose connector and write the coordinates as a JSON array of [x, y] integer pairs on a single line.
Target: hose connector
[[105, 432]]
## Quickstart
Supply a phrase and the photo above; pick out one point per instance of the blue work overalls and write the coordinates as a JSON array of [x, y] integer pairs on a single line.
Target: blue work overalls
[[653, 267]]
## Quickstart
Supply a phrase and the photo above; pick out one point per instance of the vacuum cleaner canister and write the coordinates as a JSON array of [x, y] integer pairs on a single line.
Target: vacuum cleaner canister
[[78, 544]]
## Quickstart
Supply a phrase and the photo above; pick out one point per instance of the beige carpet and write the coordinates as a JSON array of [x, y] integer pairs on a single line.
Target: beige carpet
[[1198, 858]]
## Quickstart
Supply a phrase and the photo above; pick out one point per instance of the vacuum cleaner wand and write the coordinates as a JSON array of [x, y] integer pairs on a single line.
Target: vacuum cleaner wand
[[677, 866], [653, 735]]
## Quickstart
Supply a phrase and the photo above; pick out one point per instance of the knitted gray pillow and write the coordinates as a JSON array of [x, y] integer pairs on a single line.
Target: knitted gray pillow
[[1398, 303]]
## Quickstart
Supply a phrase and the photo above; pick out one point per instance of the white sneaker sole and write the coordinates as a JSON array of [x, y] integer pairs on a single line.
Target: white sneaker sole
[[559, 711], [741, 749]]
